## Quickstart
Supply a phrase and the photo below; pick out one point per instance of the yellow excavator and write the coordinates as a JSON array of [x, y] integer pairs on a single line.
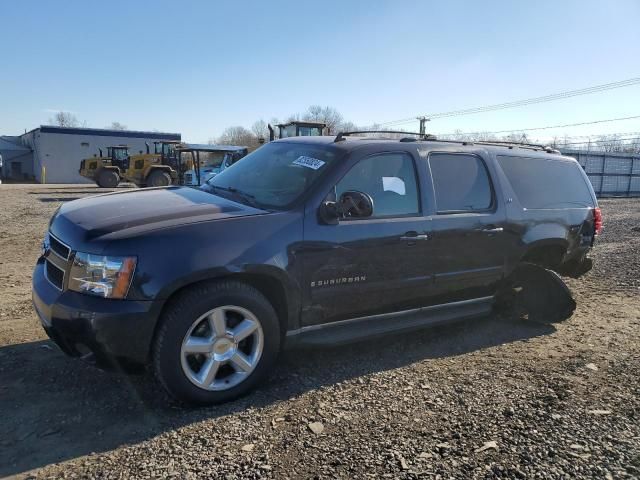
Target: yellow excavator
[[148, 169]]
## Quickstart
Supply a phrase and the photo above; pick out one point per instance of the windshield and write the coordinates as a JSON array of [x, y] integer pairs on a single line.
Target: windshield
[[119, 153], [275, 175], [309, 131], [212, 159], [166, 149]]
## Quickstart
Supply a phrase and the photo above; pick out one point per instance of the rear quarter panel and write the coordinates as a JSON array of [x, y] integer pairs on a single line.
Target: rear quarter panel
[[568, 228]]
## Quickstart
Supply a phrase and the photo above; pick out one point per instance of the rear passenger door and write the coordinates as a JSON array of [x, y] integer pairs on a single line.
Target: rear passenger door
[[469, 242]]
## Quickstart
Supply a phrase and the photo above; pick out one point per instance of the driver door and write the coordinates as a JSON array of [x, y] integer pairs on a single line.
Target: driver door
[[366, 266]]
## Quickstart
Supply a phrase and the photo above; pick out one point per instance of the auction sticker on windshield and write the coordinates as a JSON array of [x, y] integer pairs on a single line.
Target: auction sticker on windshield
[[308, 162]]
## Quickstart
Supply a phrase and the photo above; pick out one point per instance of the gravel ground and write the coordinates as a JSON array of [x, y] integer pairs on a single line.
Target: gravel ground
[[491, 398]]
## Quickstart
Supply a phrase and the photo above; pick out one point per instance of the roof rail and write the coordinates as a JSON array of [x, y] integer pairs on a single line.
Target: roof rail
[[499, 143], [423, 136], [426, 136]]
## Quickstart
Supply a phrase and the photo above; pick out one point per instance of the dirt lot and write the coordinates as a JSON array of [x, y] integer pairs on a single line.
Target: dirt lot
[[489, 398]]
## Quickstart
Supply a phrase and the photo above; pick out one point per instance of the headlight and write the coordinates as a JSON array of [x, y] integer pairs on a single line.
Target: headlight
[[104, 276]]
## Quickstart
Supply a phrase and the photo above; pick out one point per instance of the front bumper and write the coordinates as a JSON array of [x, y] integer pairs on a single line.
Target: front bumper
[[82, 324]]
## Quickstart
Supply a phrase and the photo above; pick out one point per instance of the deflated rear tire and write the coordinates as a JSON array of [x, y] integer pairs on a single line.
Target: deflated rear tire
[[538, 293], [215, 342]]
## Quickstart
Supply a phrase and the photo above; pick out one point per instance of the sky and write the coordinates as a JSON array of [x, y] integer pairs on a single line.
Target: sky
[[197, 67]]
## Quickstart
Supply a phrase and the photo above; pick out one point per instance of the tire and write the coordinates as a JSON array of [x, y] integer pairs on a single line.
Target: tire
[[538, 293], [186, 320], [108, 179], [158, 178]]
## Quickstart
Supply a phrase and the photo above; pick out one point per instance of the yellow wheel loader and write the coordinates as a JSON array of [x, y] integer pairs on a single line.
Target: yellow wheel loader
[[107, 170], [157, 169]]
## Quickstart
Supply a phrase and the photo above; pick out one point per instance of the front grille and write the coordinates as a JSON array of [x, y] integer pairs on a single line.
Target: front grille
[[54, 274], [57, 261], [58, 247], [188, 178]]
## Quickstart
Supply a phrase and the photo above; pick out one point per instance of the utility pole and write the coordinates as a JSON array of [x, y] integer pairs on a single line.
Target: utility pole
[[423, 125]]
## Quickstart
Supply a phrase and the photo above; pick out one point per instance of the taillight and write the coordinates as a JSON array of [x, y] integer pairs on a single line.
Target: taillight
[[597, 219]]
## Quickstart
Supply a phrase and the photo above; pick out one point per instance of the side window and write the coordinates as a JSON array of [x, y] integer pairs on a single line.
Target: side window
[[546, 182], [390, 180], [461, 183]]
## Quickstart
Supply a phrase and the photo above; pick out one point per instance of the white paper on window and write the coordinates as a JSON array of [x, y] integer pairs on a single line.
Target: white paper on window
[[394, 184]]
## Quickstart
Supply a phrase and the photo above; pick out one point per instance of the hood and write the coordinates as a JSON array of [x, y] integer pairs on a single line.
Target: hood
[[138, 211]]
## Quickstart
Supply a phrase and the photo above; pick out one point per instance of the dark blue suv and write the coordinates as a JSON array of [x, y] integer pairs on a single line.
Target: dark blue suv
[[308, 239]]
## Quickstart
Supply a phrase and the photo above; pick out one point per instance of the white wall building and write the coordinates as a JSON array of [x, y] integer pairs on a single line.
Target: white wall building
[[50, 154]]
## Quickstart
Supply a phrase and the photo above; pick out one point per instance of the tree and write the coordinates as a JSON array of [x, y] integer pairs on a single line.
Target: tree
[[346, 127], [260, 130], [610, 143], [65, 119], [327, 115], [238, 136], [117, 126]]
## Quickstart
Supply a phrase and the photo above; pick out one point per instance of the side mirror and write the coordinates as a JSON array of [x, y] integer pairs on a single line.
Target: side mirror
[[351, 204]]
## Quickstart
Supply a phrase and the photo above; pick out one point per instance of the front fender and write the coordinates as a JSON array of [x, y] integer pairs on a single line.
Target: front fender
[[269, 273]]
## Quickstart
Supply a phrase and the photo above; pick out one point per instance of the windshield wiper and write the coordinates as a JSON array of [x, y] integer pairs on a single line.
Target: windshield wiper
[[250, 199]]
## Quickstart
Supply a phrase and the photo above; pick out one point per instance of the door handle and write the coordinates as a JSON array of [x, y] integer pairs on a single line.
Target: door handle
[[413, 236], [493, 230]]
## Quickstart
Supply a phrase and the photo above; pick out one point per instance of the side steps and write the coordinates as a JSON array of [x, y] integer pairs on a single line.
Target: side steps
[[347, 331]]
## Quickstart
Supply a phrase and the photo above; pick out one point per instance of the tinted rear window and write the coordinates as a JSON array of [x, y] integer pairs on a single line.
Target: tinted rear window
[[546, 183]]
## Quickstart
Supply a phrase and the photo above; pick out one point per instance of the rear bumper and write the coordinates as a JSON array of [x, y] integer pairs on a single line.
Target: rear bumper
[[82, 324]]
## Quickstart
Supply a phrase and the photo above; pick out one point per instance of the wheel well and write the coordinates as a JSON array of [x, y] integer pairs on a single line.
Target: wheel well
[[548, 256], [271, 288]]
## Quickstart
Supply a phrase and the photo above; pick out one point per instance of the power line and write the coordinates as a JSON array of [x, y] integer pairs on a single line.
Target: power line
[[596, 141], [518, 103], [548, 127], [621, 134]]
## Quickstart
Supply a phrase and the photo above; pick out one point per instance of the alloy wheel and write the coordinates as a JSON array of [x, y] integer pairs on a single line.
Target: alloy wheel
[[222, 348]]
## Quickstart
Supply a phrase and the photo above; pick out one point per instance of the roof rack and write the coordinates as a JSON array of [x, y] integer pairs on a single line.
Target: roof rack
[[506, 143], [426, 136], [423, 136]]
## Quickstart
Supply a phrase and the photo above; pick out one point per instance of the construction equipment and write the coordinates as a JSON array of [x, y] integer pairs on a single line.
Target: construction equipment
[[157, 169], [297, 129], [201, 162], [107, 170]]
